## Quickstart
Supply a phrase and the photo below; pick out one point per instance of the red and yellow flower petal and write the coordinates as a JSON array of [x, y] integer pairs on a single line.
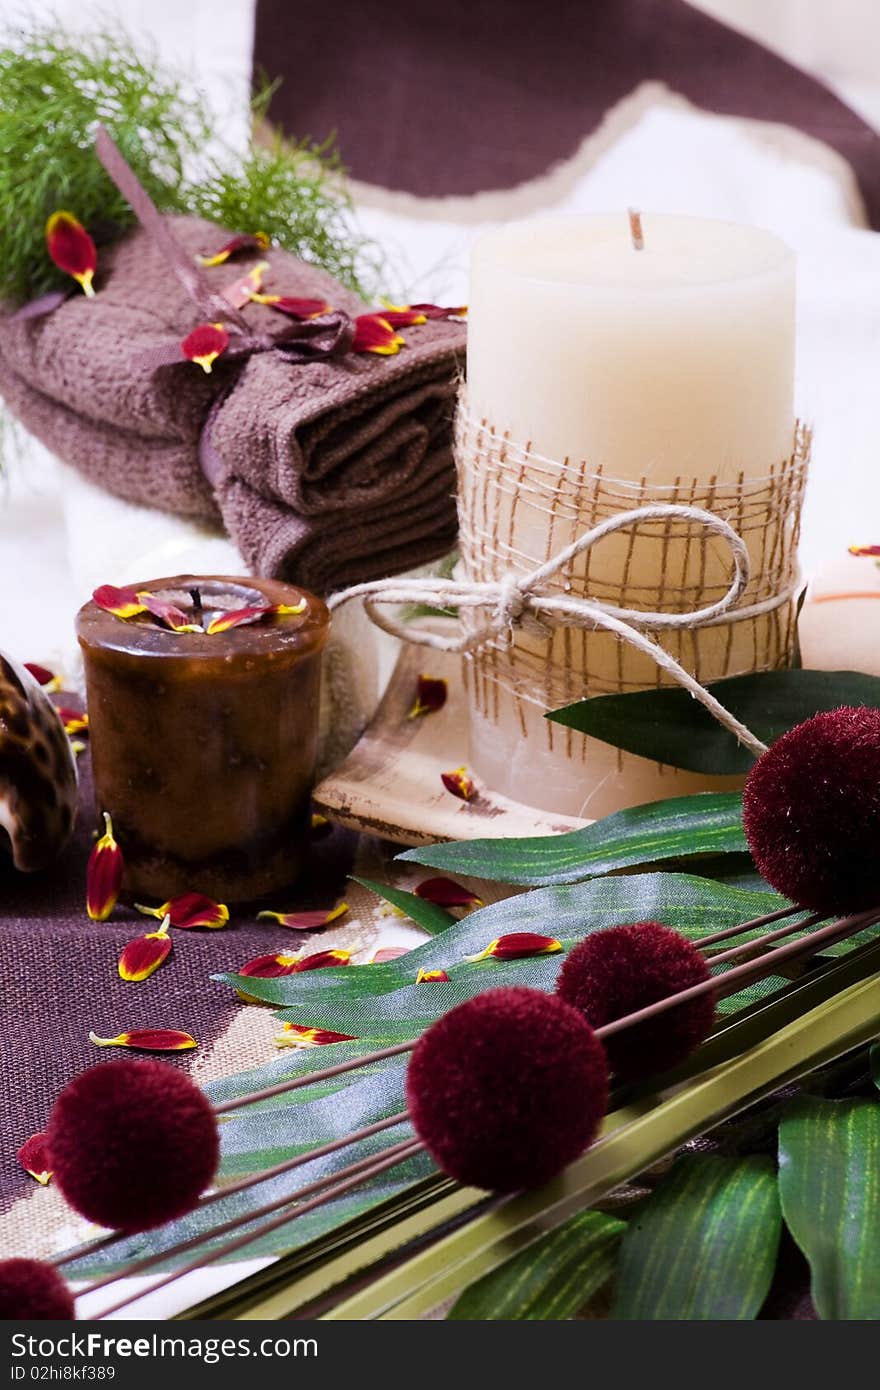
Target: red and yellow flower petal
[[459, 784], [189, 910], [167, 613], [323, 960], [45, 677], [517, 945], [401, 316], [205, 344], [373, 333], [273, 967], [424, 311], [245, 241], [298, 1035], [74, 721], [431, 695], [141, 957], [242, 617], [197, 910], [863, 549], [72, 249], [306, 921], [103, 875], [122, 603], [429, 976], [445, 892], [148, 1040], [293, 307], [34, 1159], [270, 967]]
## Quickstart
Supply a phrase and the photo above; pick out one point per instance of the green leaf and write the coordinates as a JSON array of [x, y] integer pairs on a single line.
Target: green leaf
[[550, 1279], [254, 1140], [703, 1246], [569, 912], [255, 1137], [841, 1014], [429, 916], [681, 827], [670, 727], [829, 1182], [391, 1007], [55, 88]]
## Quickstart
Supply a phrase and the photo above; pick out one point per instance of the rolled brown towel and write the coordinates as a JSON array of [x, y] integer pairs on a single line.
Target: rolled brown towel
[[325, 473]]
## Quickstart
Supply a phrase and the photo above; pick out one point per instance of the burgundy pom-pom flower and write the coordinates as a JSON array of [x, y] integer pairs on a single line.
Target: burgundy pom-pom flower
[[507, 1088], [618, 970], [811, 809], [133, 1144], [33, 1291]]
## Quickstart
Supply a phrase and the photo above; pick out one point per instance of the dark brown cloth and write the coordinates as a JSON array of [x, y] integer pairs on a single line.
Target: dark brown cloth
[[327, 472], [477, 95]]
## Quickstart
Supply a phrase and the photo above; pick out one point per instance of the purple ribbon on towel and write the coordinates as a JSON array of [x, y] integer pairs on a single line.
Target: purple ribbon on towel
[[331, 335], [306, 340]]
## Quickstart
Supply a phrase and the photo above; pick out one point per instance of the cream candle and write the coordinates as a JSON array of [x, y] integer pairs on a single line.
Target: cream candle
[[605, 374], [839, 623]]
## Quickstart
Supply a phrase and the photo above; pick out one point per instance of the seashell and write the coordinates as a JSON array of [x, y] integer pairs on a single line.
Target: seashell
[[38, 776]]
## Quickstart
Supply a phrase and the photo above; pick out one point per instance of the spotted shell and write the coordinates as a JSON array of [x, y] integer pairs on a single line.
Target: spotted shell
[[37, 771]]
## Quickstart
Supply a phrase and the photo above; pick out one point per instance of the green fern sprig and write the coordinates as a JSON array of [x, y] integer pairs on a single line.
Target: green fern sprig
[[54, 90]]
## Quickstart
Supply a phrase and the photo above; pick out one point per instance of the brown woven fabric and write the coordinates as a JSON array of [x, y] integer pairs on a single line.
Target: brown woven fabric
[[60, 980], [327, 472]]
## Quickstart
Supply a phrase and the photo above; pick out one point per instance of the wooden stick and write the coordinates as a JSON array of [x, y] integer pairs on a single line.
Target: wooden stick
[[403, 1115], [328, 1189], [181, 1247], [354, 1063], [746, 946], [325, 1189], [748, 926], [327, 1073], [745, 974], [309, 1079], [244, 1183]]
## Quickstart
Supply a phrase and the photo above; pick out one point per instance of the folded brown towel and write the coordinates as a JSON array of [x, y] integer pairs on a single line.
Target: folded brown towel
[[326, 473]]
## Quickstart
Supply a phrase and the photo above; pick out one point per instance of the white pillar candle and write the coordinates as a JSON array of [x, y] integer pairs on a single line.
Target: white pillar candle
[[620, 376]]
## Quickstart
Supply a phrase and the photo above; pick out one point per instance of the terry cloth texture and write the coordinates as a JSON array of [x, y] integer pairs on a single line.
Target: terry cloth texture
[[325, 473]]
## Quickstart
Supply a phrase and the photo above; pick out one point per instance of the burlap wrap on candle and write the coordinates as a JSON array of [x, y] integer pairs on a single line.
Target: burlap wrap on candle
[[504, 487]]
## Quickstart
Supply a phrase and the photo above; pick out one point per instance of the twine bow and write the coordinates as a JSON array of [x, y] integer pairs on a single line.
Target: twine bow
[[521, 602]]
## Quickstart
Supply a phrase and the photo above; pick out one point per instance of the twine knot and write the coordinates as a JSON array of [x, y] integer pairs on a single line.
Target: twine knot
[[510, 607], [526, 601]]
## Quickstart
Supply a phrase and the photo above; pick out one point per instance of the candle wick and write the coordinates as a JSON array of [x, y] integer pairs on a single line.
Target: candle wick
[[198, 614], [635, 229]]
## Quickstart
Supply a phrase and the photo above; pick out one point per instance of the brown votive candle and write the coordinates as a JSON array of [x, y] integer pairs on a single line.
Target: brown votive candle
[[204, 747]]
